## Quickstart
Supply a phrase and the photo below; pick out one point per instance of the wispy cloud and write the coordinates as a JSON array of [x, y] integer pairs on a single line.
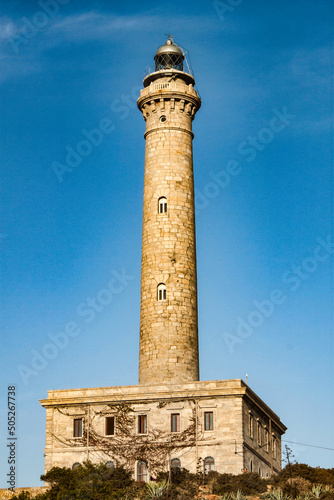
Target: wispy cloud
[[76, 28], [94, 26], [81, 27], [7, 28]]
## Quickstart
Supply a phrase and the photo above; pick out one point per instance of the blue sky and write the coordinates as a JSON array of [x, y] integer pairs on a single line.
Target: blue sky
[[263, 176]]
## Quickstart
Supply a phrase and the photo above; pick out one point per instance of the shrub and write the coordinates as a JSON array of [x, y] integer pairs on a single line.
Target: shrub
[[315, 475], [249, 483], [297, 486], [24, 495], [156, 489], [87, 481]]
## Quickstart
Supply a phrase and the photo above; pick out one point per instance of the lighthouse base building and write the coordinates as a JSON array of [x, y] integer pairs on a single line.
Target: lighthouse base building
[[171, 419], [233, 430]]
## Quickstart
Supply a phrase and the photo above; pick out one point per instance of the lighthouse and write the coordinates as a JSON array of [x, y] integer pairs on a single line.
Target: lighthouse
[[168, 315], [222, 423]]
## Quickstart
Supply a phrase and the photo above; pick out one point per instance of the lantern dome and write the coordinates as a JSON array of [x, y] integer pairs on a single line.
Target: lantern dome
[[169, 56]]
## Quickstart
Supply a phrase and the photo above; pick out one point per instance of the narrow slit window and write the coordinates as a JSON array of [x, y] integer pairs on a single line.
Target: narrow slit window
[[77, 427], [110, 426], [162, 205], [162, 292]]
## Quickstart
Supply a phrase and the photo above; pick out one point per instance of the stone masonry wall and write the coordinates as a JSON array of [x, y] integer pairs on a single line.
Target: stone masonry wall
[[227, 443], [260, 431], [168, 328], [219, 443]]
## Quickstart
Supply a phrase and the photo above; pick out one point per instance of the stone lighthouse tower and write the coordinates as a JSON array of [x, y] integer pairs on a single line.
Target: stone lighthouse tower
[[168, 319], [222, 422]]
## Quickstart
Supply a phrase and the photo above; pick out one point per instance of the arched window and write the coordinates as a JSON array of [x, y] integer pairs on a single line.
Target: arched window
[[162, 205], [162, 292], [260, 471], [209, 464], [110, 465], [251, 466], [141, 471], [75, 466], [176, 463]]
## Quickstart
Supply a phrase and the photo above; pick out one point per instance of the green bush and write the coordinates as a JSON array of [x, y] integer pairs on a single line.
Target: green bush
[[184, 484], [316, 475], [24, 495], [88, 481], [249, 483]]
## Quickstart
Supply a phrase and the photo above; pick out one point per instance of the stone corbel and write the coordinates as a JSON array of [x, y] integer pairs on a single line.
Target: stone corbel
[[153, 108], [189, 109], [145, 111]]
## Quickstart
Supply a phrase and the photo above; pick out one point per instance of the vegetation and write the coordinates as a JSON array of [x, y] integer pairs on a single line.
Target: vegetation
[[304, 482], [127, 446], [98, 482], [88, 481], [315, 475], [247, 484]]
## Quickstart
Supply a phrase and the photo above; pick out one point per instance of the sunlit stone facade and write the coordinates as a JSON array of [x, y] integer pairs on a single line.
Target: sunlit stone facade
[[233, 430]]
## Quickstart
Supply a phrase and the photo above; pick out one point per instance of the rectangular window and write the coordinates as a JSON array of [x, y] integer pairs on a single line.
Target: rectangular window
[[77, 427], [274, 447], [110, 426], [259, 434], [142, 424], [208, 420], [175, 422], [251, 426], [266, 440]]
